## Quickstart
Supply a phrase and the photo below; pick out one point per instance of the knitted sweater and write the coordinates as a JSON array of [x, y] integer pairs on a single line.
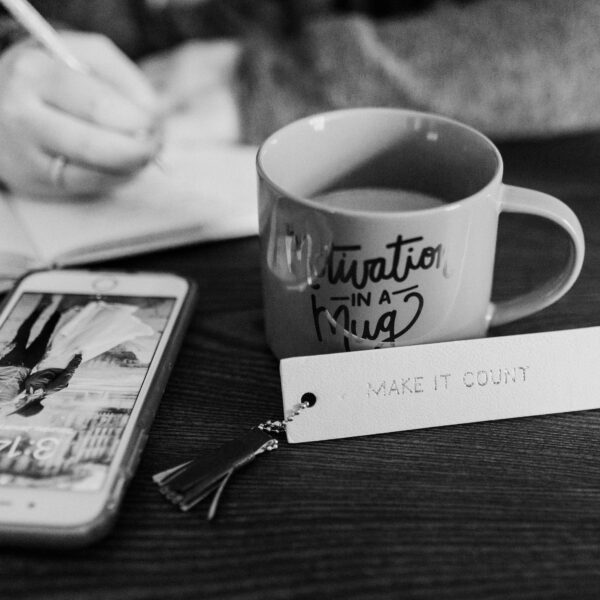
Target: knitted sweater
[[511, 68]]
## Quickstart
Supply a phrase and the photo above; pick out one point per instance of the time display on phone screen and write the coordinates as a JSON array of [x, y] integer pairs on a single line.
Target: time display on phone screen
[[71, 368], [42, 449]]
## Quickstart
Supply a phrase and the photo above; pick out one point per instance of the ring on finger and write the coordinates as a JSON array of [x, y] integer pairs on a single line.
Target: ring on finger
[[57, 170]]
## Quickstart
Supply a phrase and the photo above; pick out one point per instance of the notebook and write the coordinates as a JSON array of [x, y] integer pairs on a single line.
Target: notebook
[[201, 193]]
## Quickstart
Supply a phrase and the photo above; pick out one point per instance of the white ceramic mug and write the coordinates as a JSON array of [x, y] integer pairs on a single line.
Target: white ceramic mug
[[378, 228]]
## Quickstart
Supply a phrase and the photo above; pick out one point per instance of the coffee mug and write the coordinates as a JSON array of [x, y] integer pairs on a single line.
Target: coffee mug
[[378, 228]]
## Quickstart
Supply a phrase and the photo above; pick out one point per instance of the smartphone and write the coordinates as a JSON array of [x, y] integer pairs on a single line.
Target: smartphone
[[84, 361]]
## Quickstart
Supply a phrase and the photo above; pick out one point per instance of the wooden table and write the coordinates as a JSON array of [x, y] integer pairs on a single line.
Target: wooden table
[[487, 510]]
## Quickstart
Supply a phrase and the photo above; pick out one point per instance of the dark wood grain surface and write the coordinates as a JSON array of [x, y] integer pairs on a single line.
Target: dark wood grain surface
[[498, 510]]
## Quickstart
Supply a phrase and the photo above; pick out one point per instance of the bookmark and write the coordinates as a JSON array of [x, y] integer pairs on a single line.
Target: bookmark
[[187, 484], [400, 389], [445, 383]]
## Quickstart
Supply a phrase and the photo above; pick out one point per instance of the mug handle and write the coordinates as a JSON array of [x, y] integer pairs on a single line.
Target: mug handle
[[522, 200]]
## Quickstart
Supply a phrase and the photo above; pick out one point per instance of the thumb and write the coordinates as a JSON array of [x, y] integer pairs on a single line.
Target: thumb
[[110, 64]]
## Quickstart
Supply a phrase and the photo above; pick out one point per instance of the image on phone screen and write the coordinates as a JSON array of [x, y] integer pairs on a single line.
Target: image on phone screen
[[71, 368]]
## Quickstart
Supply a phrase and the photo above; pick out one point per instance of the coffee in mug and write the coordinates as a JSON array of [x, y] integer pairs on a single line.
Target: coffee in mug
[[377, 199]]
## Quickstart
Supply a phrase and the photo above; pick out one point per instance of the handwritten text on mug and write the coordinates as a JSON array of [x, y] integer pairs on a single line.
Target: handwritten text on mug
[[403, 258]]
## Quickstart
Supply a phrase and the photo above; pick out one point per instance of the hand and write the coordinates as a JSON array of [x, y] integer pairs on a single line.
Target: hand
[[105, 124]]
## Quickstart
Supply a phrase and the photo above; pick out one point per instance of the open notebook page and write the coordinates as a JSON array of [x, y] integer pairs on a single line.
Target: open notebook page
[[203, 193], [16, 251]]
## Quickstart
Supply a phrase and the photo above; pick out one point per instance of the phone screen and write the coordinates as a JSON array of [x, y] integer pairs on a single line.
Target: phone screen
[[71, 368]]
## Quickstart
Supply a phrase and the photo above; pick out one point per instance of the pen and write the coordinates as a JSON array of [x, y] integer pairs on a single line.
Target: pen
[[48, 37], [43, 32]]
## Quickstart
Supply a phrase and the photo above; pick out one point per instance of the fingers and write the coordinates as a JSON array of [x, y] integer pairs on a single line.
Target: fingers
[[99, 97], [104, 122], [87, 144], [76, 180], [44, 177], [28, 162], [71, 179], [109, 64], [91, 99]]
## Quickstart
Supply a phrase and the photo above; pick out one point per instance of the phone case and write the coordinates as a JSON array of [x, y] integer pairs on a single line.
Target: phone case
[[101, 525]]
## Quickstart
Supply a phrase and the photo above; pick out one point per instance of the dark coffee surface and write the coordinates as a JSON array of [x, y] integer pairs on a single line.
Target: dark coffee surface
[[378, 200], [495, 510]]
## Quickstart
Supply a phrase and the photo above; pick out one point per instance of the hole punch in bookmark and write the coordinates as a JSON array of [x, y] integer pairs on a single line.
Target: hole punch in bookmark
[[189, 483]]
